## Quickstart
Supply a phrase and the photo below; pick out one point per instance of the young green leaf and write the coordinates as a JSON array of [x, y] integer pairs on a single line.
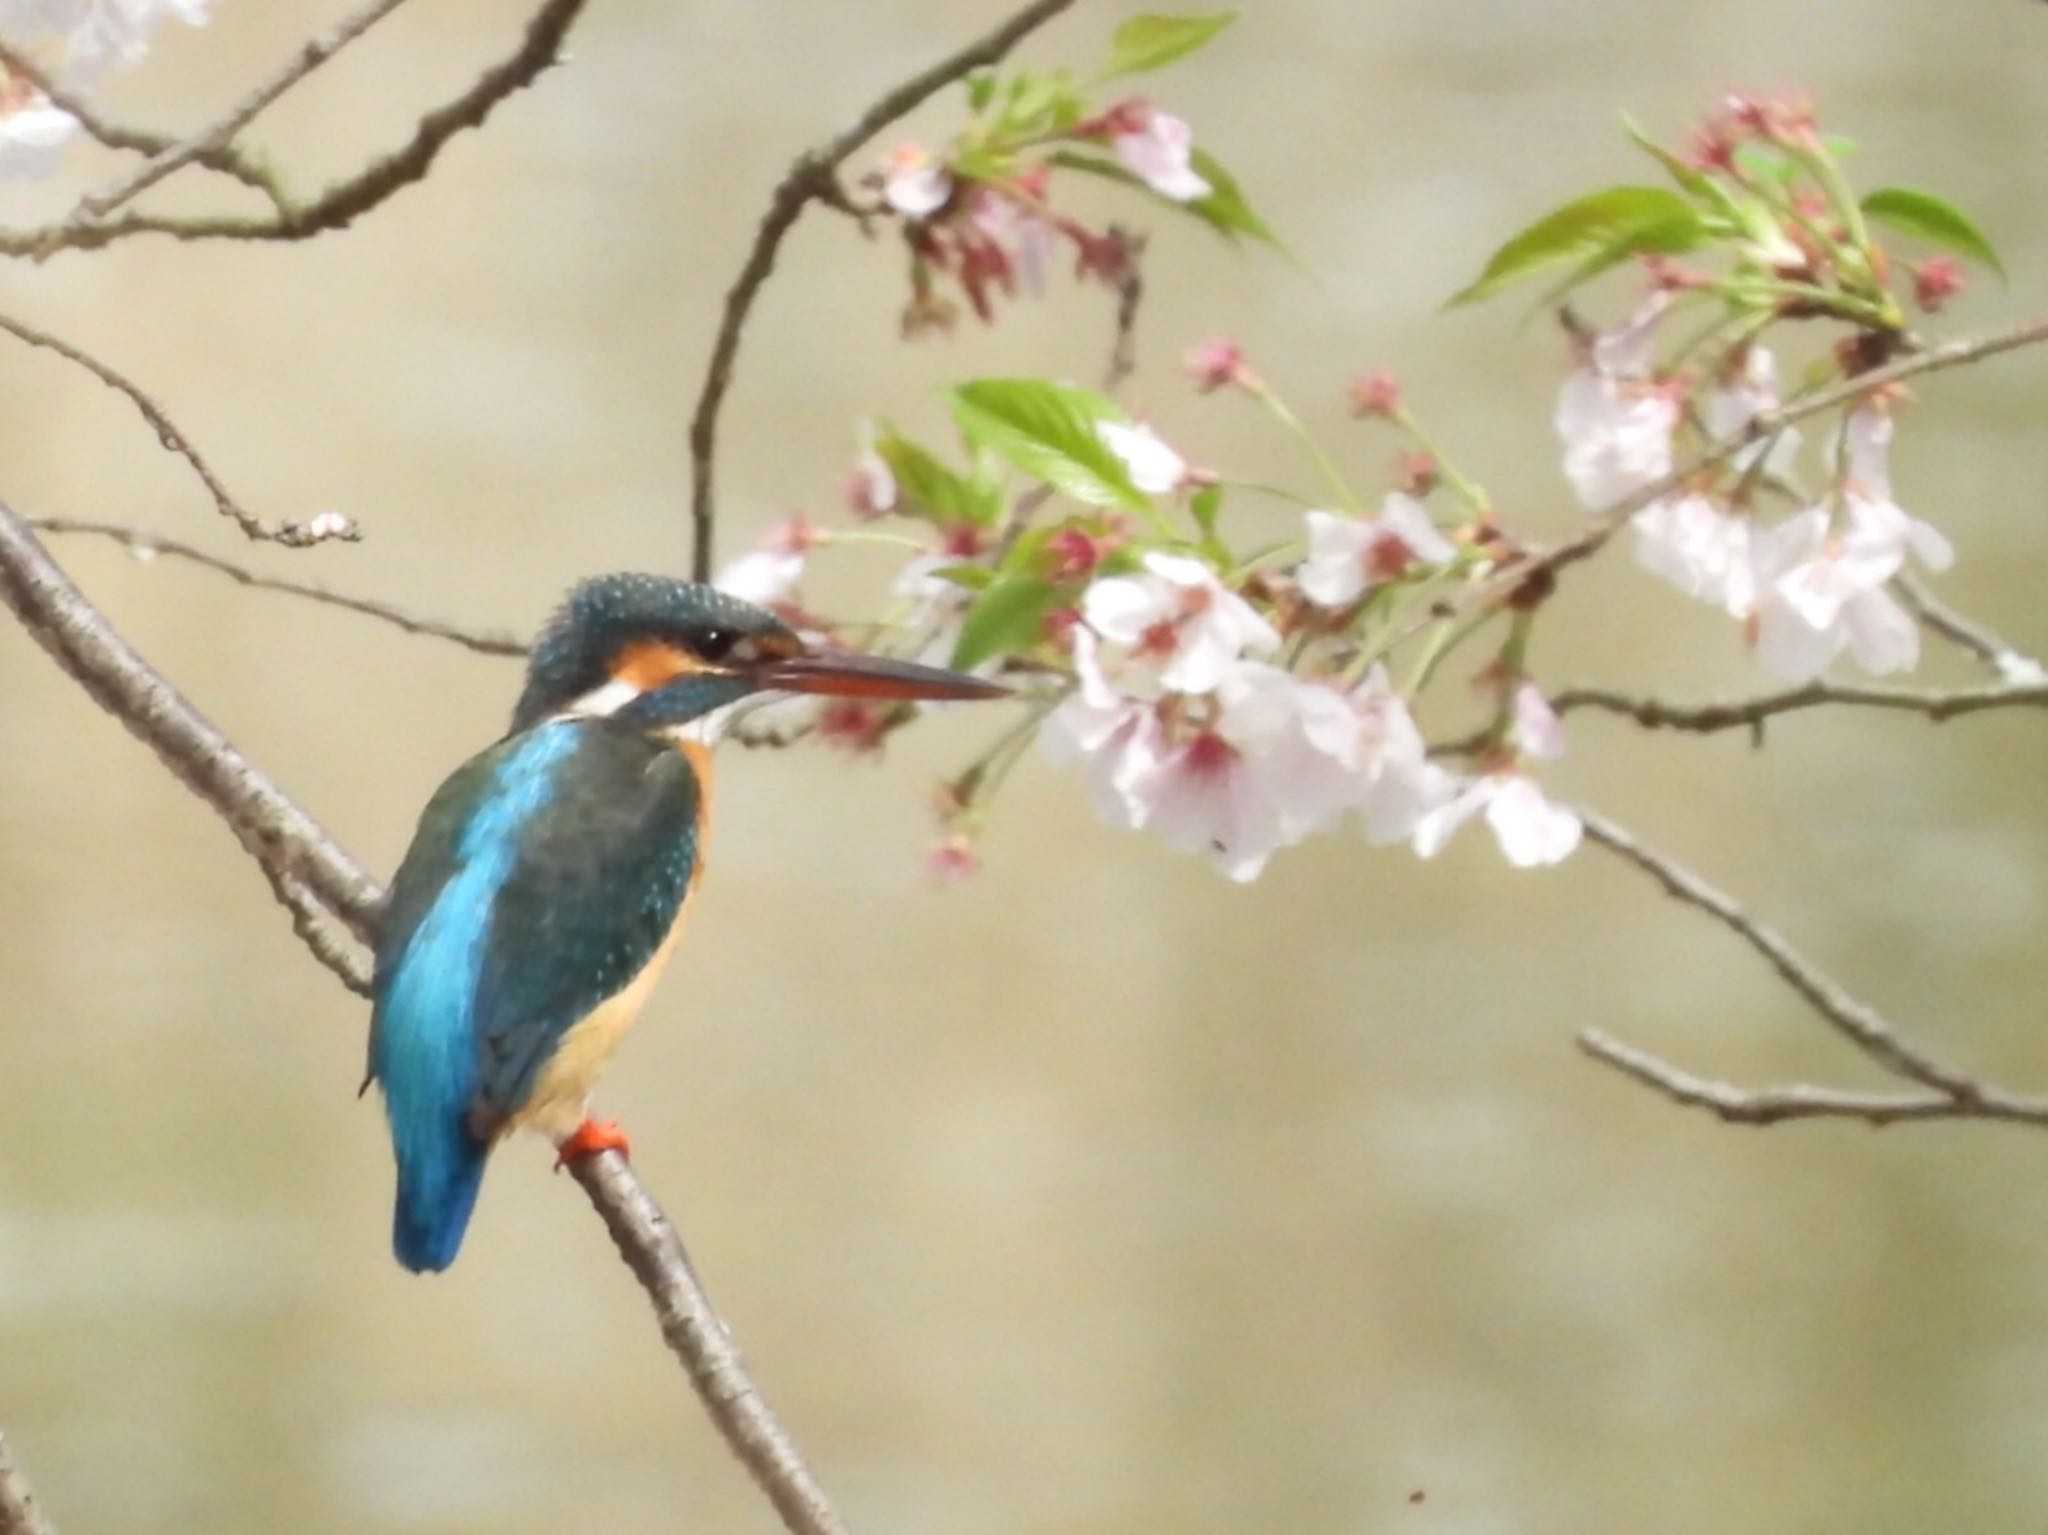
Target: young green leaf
[[931, 489], [1152, 42], [1008, 616], [1048, 431], [1664, 237], [1224, 209], [1927, 217], [1575, 232]]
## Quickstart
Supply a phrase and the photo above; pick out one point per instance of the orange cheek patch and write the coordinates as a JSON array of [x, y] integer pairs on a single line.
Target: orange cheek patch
[[650, 664]]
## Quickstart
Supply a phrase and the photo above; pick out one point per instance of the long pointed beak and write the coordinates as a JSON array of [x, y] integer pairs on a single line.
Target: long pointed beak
[[845, 674]]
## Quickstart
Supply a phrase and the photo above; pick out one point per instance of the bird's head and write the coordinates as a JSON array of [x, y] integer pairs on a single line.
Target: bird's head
[[673, 651]]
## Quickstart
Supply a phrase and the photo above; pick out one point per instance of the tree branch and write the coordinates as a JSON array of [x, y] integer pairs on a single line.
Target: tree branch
[[19, 1512], [299, 855], [1963, 1095], [225, 159], [1768, 1106], [810, 177], [1967, 634], [293, 535], [147, 545], [1935, 704], [217, 135], [347, 200]]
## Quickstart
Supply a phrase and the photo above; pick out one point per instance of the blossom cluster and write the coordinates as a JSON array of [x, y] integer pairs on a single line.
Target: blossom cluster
[[1233, 695], [73, 44]]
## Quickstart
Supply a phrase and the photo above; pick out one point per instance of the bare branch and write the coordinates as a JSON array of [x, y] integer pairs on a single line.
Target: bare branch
[[299, 855], [19, 1512], [146, 544], [1539, 563], [811, 177], [1775, 1105], [1968, 634], [293, 535], [1855, 1020], [1935, 704], [225, 159], [217, 135], [1130, 299], [704, 1345], [347, 200], [277, 833]]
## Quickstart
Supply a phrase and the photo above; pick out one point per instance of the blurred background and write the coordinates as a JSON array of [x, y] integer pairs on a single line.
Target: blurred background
[[1094, 1195]]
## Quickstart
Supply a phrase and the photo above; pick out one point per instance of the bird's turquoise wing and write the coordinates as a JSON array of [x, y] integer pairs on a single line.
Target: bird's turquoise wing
[[602, 871]]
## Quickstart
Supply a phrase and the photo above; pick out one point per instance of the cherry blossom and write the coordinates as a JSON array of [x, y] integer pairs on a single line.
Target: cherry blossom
[[1532, 832], [1152, 463], [1117, 736], [768, 574], [1818, 594], [915, 183], [1156, 147], [1751, 391], [32, 138], [1699, 549], [1179, 618], [871, 489], [1349, 555], [1615, 423], [1026, 239]]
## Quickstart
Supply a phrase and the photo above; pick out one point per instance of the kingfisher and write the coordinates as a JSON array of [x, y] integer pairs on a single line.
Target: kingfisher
[[550, 876]]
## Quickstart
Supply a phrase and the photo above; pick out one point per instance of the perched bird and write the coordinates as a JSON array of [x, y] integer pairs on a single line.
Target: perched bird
[[550, 875]]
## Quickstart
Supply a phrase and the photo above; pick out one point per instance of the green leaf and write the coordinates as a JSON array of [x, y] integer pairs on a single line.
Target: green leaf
[[1152, 42], [931, 488], [1205, 504], [1665, 237], [1575, 232], [1697, 182], [973, 577], [1008, 616], [981, 89], [1048, 431], [1927, 217], [1225, 209]]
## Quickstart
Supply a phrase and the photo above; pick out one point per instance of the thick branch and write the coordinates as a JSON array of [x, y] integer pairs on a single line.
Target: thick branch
[[293, 535], [277, 833], [147, 545], [812, 176], [347, 200], [298, 854], [1935, 704], [19, 1512]]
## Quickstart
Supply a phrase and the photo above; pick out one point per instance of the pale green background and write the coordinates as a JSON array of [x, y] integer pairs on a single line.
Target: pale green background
[[1098, 1195]]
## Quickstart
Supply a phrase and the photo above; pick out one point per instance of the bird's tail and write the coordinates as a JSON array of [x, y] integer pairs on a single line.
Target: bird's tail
[[438, 1179]]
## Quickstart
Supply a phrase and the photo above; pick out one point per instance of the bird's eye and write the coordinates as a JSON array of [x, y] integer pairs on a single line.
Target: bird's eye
[[712, 644]]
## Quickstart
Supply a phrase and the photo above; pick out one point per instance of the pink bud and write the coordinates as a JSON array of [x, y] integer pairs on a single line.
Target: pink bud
[[1376, 394], [1937, 280], [1215, 363]]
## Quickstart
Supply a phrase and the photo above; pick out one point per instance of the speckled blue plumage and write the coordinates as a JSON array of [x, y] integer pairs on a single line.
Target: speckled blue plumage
[[545, 874]]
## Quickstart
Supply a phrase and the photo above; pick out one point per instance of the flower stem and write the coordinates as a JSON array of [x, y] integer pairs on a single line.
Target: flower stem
[[1264, 394], [1470, 491]]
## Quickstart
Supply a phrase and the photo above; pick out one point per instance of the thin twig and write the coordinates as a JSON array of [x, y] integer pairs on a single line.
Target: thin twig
[[810, 177], [131, 140], [146, 544], [20, 1514], [1540, 563], [1130, 299], [1775, 1105], [287, 841], [1968, 634], [1750, 713], [314, 928], [293, 535], [1855, 1020], [217, 135], [342, 203]]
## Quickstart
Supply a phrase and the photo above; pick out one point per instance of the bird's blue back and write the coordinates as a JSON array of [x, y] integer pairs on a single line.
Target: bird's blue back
[[545, 873]]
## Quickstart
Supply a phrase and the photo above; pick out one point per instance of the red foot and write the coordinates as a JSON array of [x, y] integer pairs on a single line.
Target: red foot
[[591, 1137]]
